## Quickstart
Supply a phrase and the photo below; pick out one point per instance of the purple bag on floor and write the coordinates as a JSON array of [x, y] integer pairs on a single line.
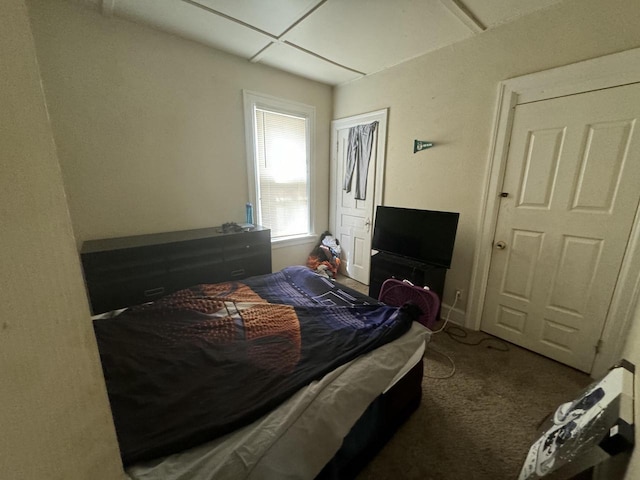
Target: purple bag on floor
[[396, 293]]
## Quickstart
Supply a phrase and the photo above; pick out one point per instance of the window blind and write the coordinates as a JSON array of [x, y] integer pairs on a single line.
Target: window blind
[[283, 173]]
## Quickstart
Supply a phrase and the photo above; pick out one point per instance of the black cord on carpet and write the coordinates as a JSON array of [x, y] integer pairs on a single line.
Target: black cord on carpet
[[492, 342], [455, 333]]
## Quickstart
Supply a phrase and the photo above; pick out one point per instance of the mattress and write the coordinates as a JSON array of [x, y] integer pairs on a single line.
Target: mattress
[[312, 423]]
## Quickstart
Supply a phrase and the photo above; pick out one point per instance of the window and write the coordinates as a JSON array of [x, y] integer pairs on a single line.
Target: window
[[279, 139]]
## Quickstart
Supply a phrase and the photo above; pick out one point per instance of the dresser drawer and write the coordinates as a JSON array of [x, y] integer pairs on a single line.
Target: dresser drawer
[[242, 243], [112, 294], [258, 263], [201, 262], [247, 254], [120, 278]]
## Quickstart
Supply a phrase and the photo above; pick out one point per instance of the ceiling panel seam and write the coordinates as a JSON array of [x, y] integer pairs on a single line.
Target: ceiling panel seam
[[462, 12], [229, 17], [302, 17], [276, 39], [258, 56], [323, 58]]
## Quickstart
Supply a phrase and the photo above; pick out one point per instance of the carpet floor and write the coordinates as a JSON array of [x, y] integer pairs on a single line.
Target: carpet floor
[[477, 424]]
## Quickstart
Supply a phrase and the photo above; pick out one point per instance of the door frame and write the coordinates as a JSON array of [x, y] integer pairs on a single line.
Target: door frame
[[381, 153], [595, 74]]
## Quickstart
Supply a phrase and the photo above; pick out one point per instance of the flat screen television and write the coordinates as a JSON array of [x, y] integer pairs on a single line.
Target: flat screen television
[[424, 235]]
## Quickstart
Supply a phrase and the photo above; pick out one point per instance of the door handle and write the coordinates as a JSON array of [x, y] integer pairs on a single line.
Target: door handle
[[367, 223], [501, 245]]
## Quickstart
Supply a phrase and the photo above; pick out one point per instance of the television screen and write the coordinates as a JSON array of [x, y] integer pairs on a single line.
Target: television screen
[[424, 235]]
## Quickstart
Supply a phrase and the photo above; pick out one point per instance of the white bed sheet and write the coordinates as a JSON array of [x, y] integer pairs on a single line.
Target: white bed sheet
[[415, 358], [297, 439]]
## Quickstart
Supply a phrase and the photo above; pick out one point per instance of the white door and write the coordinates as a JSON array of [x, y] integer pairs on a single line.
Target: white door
[[573, 184], [353, 219]]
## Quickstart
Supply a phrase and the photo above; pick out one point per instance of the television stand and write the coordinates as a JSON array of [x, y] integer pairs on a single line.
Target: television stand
[[386, 265]]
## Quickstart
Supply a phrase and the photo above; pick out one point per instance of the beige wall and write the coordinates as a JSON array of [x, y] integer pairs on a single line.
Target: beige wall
[[55, 419], [449, 97], [150, 129]]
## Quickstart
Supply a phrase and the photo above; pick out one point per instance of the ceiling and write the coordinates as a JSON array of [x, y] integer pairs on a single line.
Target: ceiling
[[331, 41]]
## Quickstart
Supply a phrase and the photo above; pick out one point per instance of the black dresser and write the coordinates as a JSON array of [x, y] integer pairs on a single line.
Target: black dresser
[[121, 272]]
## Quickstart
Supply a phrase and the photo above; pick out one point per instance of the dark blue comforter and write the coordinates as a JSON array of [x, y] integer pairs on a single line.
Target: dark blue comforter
[[204, 361]]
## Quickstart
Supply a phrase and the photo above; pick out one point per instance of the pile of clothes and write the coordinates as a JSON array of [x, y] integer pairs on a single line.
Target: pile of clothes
[[324, 259]]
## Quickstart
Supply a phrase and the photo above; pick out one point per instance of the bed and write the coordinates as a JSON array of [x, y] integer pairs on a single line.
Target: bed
[[283, 375]]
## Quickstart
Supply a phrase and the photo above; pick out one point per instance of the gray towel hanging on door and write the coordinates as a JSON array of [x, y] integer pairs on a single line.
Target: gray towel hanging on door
[[358, 156]]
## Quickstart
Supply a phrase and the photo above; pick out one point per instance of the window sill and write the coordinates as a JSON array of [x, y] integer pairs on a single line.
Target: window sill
[[293, 241]]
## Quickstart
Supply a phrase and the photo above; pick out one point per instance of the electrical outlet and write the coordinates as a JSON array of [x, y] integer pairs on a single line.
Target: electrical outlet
[[459, 294]]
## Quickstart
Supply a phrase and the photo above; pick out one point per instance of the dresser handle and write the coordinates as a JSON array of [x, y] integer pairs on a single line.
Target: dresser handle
[[236, 273], [152, 292]]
